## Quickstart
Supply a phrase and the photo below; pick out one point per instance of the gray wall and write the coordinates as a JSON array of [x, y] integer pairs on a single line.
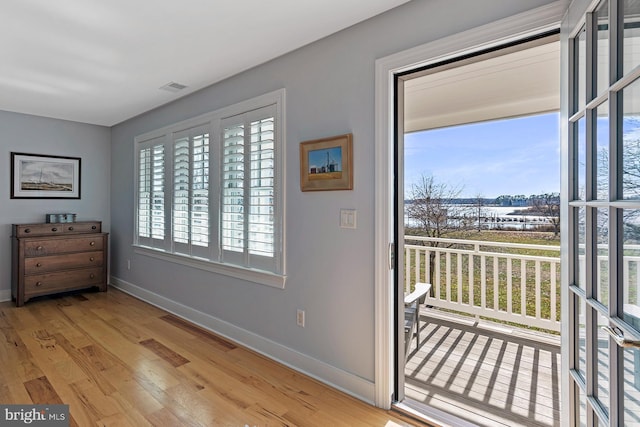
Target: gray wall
[[329, 91], [38, 135]]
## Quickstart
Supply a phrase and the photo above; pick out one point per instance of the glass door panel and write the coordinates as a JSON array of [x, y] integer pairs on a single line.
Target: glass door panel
[[632, 387], [631, 140], [601, 365], [631, 268], [582, 339], [582, 408], [582, 158], [602, 202], [601, 284], [602, 47], [581, 68], [581, 275], [601, 134], [631, 44]]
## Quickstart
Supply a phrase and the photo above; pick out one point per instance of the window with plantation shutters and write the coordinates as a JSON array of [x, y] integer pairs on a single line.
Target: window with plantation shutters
[[209, 189]]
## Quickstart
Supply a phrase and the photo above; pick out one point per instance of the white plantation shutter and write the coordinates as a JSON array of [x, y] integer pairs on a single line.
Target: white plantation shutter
[[157, 192], [261, 203], [191, 230], [181, 198], [248, 189], [144, 193], [151, 193], [200, 191], [233, 222]]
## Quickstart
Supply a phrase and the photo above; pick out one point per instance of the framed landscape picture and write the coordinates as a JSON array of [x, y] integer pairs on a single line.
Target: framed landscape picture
[[36, 176], [327, 164]]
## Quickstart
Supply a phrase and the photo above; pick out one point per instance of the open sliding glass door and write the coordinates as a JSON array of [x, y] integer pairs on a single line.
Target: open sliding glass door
[[602, 212], [398, 258]]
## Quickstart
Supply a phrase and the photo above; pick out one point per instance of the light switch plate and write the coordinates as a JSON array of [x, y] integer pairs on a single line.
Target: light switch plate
[[348, 218]]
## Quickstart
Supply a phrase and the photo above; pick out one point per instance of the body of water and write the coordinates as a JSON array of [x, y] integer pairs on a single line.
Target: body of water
[[496, 217]]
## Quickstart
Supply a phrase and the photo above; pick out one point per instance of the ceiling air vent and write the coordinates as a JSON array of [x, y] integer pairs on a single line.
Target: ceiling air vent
[[173, 87]]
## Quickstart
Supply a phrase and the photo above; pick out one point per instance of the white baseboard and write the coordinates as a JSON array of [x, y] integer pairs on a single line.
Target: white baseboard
[[353, 385], [5, 295]]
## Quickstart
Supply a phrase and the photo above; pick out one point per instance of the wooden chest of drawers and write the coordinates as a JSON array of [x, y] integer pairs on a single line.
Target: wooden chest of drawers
[[51, 258]]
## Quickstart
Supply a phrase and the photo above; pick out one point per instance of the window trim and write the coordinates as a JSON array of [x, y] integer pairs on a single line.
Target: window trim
[[213, 120], [260, 277]]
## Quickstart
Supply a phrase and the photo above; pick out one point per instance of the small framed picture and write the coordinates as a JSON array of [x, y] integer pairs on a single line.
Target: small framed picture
[[35, 176], [327, 164]]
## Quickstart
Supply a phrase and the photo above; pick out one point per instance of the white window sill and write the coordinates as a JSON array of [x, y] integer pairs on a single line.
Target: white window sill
[[250, 275]]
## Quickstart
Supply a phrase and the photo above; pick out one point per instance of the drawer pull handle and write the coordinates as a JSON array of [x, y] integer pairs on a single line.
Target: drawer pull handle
[[27, 230], [38, 265], [70, 228], [92, 259], [93, 227], [92, 244], [38, 283], [91, 276], [39, 248], [54, 229]]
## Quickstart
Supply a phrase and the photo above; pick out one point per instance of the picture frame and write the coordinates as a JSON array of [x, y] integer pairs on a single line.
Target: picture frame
[[327, 164], [36, 176]]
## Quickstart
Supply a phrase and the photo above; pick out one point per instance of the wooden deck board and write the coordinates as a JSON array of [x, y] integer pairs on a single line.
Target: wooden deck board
[[488, 375]]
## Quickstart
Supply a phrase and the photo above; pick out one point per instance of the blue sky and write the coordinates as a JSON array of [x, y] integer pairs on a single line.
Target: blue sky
[[513, 156]]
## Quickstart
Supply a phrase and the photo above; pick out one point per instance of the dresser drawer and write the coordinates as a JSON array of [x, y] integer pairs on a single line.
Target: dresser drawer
[[51, 246], [54, 229], [39, 265], [45, 283], [82, 227]]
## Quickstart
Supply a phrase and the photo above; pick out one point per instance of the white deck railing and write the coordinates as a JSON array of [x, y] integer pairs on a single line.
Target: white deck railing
[[488, 279], [496, 279]]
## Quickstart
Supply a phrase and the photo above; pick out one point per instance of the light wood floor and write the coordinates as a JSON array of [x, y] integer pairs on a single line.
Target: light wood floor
[[118, 361], [490, 375]]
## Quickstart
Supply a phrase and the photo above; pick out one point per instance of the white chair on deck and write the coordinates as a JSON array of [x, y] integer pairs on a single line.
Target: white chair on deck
[[412, 314]]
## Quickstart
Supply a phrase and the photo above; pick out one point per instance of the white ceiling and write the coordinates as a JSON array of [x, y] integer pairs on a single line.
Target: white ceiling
[[103, 61], [515, 84]]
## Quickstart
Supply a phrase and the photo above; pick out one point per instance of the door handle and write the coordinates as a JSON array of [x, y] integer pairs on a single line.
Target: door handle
[[618, 337]]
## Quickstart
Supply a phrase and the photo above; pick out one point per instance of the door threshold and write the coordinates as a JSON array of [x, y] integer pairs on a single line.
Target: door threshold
[[428, 415]]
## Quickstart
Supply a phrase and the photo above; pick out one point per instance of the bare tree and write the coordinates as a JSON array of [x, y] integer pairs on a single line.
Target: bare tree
[[630, 185], [630, 160], [548, 205], [478, 207], [434, 210]]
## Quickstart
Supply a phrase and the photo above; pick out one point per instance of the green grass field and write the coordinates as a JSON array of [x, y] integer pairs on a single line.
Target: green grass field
[[500, 271]]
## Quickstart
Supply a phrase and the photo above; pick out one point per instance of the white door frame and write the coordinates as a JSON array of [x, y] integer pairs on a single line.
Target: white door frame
[[507, 30]]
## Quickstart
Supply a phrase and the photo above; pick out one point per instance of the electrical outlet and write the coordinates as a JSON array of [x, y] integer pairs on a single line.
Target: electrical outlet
[[300, 318]]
